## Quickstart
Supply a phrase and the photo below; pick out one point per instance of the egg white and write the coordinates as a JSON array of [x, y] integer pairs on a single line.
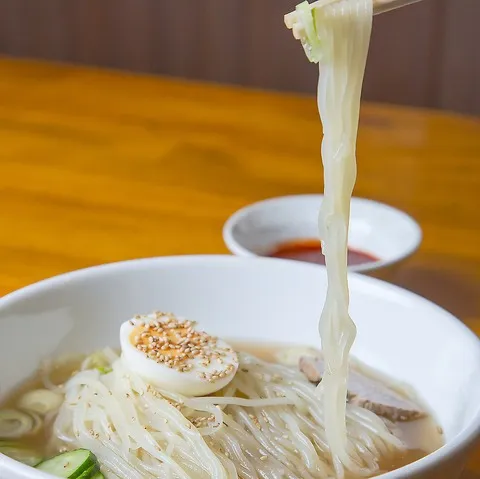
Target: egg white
[[187, 383]]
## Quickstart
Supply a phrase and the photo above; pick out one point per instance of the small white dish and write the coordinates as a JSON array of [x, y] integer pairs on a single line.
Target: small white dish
[[384, 232], [253, 299]]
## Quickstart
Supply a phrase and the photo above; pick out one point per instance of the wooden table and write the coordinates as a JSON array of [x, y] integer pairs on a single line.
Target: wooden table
[[99, 166]]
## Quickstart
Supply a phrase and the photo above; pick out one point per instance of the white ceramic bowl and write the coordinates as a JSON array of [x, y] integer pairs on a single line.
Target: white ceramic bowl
[[375, 228], [255, 299]]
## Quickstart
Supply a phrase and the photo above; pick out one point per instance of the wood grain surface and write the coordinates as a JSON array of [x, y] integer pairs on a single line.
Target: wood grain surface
[[98, 167]]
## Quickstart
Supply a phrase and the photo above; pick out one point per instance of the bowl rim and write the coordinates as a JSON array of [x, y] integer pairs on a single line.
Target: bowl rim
[[237, 249], [460, 443]]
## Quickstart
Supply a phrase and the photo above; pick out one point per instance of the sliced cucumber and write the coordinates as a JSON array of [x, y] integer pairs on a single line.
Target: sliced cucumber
[[70, 464], [98, 475], [89, 473], [20, 454]]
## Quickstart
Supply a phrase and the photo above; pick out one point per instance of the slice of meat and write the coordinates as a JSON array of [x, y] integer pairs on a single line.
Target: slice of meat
[[367, 392]]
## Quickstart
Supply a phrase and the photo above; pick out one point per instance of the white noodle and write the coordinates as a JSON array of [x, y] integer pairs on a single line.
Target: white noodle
[[271, 426], [344, 30]]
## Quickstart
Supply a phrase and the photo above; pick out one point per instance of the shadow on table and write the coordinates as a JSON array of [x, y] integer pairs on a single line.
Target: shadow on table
[[446, 286]]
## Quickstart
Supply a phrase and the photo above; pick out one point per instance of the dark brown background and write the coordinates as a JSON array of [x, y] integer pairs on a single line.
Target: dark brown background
[[426, 54]]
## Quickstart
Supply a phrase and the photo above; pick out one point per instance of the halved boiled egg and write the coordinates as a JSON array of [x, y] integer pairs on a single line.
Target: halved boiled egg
[[172, 354]]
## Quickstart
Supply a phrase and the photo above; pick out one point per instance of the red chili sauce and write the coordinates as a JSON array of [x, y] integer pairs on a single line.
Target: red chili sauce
[[310, 250]]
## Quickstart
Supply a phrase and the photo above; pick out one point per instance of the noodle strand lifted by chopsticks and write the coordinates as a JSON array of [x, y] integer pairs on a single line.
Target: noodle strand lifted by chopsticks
[[344, 30]]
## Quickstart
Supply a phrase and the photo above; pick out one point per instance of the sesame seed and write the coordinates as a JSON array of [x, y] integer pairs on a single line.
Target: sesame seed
[[174, 342]]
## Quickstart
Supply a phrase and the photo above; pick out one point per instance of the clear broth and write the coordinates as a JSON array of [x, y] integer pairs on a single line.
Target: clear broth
[[60, 374], [421, 436]]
